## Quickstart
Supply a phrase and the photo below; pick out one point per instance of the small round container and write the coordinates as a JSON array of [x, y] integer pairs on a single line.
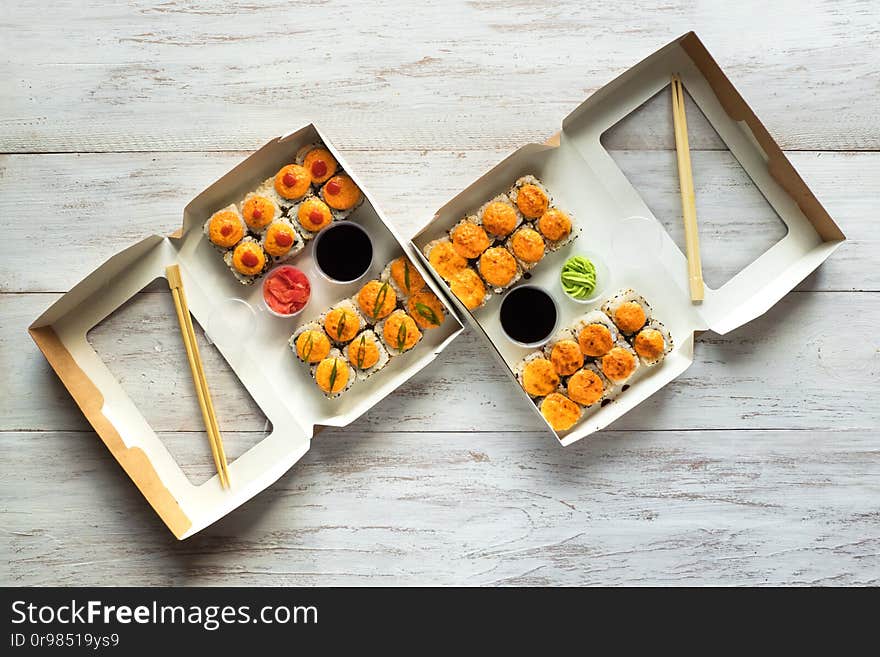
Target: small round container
[[345, 251], [603, 275], [268, 277], [233, 316], [523, 303]]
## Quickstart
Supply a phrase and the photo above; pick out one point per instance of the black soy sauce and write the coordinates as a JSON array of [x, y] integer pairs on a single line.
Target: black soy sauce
[[343, 251], [528, 314]]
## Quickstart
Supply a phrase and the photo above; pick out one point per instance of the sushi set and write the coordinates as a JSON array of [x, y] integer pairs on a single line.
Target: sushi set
[[321, 309]]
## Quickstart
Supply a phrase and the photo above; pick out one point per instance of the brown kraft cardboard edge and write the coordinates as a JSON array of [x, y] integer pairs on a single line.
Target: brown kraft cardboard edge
[[778, 165], [132, 459]]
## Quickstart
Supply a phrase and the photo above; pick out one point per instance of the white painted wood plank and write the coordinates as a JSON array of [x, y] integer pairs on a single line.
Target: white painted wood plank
[[135, 195], [216, 75], [757, 507], [812, 362]]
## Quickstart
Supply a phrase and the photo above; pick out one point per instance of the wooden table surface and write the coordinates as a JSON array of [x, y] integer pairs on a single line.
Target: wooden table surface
[[760, 465]]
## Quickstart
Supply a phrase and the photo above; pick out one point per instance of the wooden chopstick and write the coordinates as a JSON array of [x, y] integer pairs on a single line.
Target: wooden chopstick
[[175, 282], [686, 185]]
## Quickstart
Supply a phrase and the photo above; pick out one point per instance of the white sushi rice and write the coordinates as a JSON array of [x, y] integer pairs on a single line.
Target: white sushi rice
[[501, 198], [352, 375], [368, 335], [297, 246], [498, 289], [623, 344], [310, 326], [594, 317], [206, 228], [380, 332], [349, 307], [529, 180], [245, 279], [624, 296], [667, 339]]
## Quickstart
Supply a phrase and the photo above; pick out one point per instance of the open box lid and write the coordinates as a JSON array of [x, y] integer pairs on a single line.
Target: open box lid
[[261, 359]]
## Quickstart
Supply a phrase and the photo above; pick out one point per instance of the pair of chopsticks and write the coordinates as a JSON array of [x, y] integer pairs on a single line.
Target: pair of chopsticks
[[175, 282], [686, 183]]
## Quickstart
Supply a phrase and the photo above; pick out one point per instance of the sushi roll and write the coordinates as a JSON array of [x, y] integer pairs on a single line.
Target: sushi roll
[[469, 239], [342, 322], [376, 300], [225, 228], [556, 228], [281, 241], [444, 258], [403, 276], [628, 310], [310, 343], [318, 161], [530, 197], [469, 288], [652, 343], [565, 353], [366, 354], [248, 261], [560, 412], [499, 217], [595, 333], [313, 216], [499, 268], [426, 309], [333, 374], [587, 386], [527, 245], [292, 183], [536, 375], [259, 211], [399, 332], [342, 195], [620, 363]]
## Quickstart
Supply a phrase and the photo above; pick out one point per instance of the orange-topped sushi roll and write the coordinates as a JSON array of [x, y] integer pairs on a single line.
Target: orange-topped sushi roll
[[565, 353], [247, 260], [527, 245], [652, 343], [310, 343], [333, 375], [530, 197], [341, 194], [292, 182], [342, 322], [313, 215], [499, 217], [259, 211], [560, 412], [537, 375], [426, 309], [225, 228], [376, 300], [628, 310], [469, 288], [498, 268], [469, 239], [318, 161], [399, 332], [403, 276], [586, 386], [620, 363], [366, 354], [444, 259], [281, 241], [595, 334], [555, 227]]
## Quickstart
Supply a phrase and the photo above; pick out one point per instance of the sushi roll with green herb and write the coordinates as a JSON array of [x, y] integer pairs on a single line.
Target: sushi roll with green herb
[[426, 309], [366, 354], [376, 300], [333, 375], [342, 322], [399, 332], [310, 343], [403, 276]]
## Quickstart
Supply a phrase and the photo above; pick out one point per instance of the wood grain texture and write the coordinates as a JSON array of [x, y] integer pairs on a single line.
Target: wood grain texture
[[760, 465]]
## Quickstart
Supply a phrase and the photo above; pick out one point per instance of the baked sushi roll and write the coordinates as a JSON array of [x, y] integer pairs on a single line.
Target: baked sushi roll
[[342, 322], [468, 238], [443, 257], [376, 300], [291, 184], [556, 227], [312, 215], [281, 241], [366, 354], [564, 352], [403, 276], [652, 343], [499, 268], [248, 261], [225, 228], [530, 197], [620, 363], [342, 195], [560, 412], [469, 288], [259, 211], [527, 245], [426, 309], [536, 375], [399, 332], [318, 161], [595, 333], [499, 217], [628, 310], [309, 343], [587, 386], [333, 375]]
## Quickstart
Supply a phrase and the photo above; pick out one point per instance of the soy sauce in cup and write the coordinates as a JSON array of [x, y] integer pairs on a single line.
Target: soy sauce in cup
[[343, 252], [528, 315]]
